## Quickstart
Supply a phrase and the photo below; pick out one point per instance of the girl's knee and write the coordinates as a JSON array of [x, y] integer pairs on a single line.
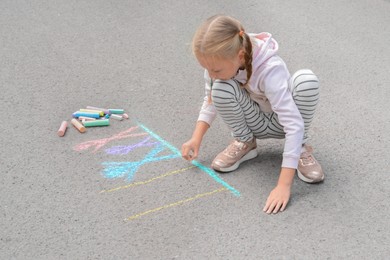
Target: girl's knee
[[225, 89], [305, 82]]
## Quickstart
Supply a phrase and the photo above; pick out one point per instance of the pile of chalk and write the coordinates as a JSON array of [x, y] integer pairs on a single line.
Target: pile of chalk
[[92, 116]]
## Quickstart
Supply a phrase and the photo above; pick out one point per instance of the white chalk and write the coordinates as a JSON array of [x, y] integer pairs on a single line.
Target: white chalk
[[85, 118], [117, 117]]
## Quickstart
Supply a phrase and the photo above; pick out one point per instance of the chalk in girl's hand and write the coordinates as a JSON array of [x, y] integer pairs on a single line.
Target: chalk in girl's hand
[[78, 125], [117, 117], [62, 130], [116, 111], [125, 116], [101, 122]]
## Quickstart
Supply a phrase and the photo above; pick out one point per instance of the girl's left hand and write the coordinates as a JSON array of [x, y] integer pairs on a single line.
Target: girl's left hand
[[277, 199]]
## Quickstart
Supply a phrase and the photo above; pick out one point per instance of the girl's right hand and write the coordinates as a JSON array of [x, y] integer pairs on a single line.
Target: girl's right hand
[[190, 149]]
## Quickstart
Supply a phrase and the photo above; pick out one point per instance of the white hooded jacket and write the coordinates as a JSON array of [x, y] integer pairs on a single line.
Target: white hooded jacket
[[269, 86]]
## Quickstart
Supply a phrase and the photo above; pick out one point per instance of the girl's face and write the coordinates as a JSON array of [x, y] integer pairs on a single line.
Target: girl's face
[[221, 68]]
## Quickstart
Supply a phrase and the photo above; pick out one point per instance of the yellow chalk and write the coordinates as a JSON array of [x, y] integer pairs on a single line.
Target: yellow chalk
[[101, 113]]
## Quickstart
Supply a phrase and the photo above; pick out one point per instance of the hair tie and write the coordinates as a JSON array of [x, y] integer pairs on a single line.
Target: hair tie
[[241, 33]]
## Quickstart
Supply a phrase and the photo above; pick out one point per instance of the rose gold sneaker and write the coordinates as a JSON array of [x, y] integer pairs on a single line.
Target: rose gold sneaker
[[309, 170], [237, 152]]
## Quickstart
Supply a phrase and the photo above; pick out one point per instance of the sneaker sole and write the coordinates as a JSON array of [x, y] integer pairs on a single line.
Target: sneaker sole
[[303, 178], [252, 154]]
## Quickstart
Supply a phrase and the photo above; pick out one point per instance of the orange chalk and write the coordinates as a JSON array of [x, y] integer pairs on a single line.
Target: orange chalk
[[62, 130], [78, 125]]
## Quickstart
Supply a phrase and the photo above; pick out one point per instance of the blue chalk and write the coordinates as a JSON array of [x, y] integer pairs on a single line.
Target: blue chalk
[[87, 114]]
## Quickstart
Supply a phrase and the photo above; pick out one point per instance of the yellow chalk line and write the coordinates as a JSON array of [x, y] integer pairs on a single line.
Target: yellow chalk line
[[174, 204], [150, 180]]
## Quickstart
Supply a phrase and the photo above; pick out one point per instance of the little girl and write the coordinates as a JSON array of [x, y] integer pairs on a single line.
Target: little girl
[[250, 87]]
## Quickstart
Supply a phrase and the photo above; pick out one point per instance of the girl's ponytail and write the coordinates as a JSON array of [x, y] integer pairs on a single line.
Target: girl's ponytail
[[246, 42]]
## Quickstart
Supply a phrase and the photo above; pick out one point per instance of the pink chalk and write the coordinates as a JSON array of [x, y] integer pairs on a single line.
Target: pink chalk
[[125, 116], [62, 130]]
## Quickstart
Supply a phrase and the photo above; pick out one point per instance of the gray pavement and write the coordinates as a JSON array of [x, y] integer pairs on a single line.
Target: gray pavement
[[59, 198]]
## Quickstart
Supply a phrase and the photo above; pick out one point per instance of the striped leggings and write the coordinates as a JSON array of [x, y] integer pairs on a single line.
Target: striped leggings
[[243, 115]]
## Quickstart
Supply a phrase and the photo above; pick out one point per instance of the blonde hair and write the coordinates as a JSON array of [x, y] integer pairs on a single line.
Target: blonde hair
[[223, 37]]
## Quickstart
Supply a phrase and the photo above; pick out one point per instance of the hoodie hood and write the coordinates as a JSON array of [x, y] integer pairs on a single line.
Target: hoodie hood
[[263, 47]]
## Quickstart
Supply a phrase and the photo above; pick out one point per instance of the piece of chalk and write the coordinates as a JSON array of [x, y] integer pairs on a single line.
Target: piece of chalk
[[61, 131], [117, 117], [86, 114], [78, 125], [101, 113], [85, 118], [116, 111], [100, 109], [101, 122], [125, 116]]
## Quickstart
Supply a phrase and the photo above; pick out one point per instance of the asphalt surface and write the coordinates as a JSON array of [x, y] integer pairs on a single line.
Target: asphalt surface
[[123, 192]]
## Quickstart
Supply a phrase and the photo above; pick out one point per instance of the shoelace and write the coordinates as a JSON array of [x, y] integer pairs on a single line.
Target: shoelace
[[235, 148], [307, 158]]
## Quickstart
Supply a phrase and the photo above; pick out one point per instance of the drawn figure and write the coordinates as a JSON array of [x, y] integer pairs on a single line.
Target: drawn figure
[[128, 169], [125, 149]]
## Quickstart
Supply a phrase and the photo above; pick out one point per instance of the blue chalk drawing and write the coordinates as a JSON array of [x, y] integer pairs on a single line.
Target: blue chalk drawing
[[128, 169]]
